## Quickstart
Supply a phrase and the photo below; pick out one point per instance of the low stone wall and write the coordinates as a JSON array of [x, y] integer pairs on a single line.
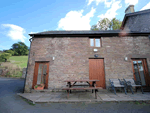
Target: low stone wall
[[24, 72]]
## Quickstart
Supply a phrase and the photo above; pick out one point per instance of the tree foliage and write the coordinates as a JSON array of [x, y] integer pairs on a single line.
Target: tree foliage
[[9, 51], [106, 24], [20, 49], [115, 24], [5, 56], [94, 28]]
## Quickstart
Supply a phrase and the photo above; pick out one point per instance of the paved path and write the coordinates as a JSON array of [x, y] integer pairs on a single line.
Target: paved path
[[12, 103], [102, 96]]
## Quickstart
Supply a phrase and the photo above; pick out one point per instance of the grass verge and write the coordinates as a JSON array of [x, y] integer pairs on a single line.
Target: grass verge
[[11, 70], [29, 102]]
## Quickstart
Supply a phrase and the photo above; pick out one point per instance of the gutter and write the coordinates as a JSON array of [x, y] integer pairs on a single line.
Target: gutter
[[27, 64]]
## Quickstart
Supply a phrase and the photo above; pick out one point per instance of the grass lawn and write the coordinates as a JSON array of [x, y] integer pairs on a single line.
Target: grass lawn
[[12, 65], [19, 60]]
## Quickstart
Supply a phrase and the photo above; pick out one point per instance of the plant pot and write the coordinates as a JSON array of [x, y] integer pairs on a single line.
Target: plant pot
[[39, 87]]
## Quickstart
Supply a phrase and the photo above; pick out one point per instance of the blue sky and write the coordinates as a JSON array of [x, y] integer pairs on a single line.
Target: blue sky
[[21, 17]]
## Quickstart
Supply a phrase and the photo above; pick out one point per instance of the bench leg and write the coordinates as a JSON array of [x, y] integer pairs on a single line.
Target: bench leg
[[95, 94], [142, 90], [136, 89], [125, 91], [131, 89], [68, 94], [113, 88]]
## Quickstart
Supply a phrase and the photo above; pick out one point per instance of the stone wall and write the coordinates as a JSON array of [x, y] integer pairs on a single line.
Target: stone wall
[[23, 72], [72, 57]]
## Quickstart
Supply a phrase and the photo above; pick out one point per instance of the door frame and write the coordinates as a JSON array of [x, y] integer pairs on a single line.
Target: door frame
[[145, 68], [34, 82], [103, 69]]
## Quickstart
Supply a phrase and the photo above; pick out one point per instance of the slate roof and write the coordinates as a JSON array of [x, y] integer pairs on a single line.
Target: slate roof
[[86, 33], [133, 14], [76, 32]]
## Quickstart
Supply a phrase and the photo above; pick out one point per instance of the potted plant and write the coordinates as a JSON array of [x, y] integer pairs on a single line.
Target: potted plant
[[39, 87]]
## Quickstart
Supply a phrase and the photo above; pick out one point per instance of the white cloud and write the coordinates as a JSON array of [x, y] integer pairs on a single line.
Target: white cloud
[[146, 7], [107, 4], [131, 2], [90, 1], [75, 20], [111, 13], [33, 32], [15, 32]]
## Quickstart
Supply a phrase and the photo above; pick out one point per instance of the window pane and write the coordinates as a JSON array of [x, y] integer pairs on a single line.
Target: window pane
[[39, 74], [97, 42], [91, 42], [136, 71], [141, 72], [44, 74]]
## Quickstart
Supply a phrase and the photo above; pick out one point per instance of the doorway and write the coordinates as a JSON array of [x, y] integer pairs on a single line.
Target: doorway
[[140, 71], [96, 71], [41, 73]]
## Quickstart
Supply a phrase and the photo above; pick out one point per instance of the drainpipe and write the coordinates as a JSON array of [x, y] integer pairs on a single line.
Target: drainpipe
[[27, 64]]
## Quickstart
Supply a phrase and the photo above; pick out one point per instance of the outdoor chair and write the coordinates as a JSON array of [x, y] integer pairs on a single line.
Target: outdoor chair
[[117, 83], [132, 83], [127, 84]]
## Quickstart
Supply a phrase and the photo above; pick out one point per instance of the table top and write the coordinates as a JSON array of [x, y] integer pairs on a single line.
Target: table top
[[85, 80]]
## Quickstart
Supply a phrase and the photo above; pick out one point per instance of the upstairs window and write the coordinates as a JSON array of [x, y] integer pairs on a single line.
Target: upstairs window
[[95, 42]]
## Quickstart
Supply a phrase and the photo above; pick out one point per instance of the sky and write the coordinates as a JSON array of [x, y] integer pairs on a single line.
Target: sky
[[18, 18]]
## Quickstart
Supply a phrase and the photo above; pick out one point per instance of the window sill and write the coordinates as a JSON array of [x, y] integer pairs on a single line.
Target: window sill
[[95, 47]]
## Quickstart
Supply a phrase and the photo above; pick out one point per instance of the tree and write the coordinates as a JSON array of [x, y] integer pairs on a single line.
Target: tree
[[106, 24], [20, 48], [115, 24], [94, 28], [5, 56], [9, 51]]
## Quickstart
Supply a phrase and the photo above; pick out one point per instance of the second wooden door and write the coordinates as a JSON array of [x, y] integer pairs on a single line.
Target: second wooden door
[[96, 71]]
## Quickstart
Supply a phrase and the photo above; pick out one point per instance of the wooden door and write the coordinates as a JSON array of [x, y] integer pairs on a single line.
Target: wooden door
[[41, 73], [140, 71], [96, 71]]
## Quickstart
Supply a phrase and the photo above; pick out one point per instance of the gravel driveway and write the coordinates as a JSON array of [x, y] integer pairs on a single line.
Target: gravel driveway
[[12, 103]]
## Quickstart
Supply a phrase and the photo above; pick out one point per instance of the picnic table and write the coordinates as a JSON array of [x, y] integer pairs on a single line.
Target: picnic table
[[89, 86]]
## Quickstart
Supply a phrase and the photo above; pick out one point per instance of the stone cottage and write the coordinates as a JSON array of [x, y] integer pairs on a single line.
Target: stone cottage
[[56, 56]]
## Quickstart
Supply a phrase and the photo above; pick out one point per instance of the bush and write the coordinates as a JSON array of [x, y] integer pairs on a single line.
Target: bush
[[5, 56], [10, 51], [11, 70]]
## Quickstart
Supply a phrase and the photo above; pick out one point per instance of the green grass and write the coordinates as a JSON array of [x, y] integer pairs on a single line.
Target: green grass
[[19, 60], [14, 65], [29, 102]]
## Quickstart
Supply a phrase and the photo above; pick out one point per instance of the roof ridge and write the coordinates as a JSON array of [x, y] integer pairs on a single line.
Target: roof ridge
[[138, 12]]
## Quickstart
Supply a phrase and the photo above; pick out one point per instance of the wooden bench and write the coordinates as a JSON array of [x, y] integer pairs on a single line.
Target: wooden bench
[[85, 88]]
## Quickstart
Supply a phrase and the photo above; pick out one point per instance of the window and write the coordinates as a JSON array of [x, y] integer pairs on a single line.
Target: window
[[95, 42]]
